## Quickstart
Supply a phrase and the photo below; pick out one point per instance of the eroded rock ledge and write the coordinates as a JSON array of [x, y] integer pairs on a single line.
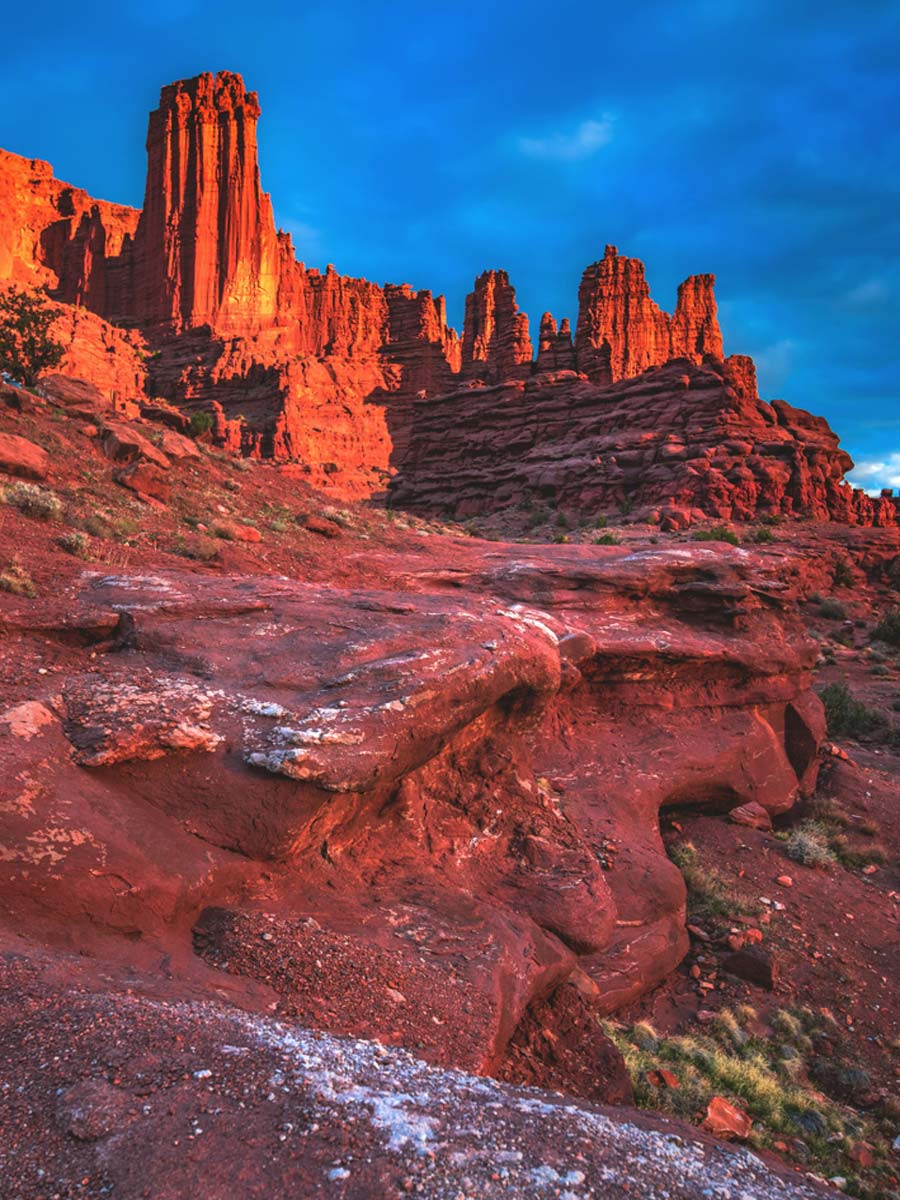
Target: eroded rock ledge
[[421, 784]]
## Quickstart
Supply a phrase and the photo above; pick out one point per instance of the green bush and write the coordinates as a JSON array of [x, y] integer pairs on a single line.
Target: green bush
[[808, 844], [76, 543], [832, 610], [717, 533], [847, 716], [607, 539], [201, 422], [762, 536], [888, 628]]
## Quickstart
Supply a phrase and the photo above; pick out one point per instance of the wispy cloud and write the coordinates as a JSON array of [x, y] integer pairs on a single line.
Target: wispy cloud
[[876, 473], [868, 294], [582, 142]]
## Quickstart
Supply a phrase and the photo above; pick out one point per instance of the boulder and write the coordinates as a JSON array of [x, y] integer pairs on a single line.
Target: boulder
[[725, 1120], [146, 479], [756, 966], [20, 457]]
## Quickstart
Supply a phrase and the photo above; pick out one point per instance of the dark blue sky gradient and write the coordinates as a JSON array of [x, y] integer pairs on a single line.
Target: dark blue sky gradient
[[423, 143]]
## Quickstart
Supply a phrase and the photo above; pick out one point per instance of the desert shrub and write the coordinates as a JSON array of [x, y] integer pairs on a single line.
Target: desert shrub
[[33, 501], [762, 535], [201, 422], [809, 845], [76, 543], [26, 346], [607, 539], [832, 610], [562, 521], [888, 628], [843, 575], [201, 549], [847, 716], [601, 522], [880, 669], [717, 533], [15, 579]]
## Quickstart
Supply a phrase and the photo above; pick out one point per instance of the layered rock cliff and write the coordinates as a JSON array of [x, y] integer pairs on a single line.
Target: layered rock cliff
[[674, 443]]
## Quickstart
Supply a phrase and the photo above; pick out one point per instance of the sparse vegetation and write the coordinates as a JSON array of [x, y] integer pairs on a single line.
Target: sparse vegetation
[[762, 535], [808, 844], [76, 543], [847, 716], [710, 894], [717, 533], [199, 548], [888, 628], [33, 501], [15, 579], [607, 539], [832, 610], [843, 574], [793, 1094]]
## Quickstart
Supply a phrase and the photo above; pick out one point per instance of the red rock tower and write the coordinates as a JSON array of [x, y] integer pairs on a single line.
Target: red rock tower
[[496, 343], [695, 325], [206, 248]]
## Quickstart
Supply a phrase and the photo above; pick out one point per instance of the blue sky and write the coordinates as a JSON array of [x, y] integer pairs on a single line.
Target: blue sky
[[423, 143]]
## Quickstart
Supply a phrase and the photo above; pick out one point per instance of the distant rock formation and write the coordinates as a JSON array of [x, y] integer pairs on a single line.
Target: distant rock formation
[[331, 372], [674, 443]]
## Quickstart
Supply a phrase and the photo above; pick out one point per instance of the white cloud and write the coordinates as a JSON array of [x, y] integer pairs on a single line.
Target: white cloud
[[582, 142], [873, 474], [869, 294]]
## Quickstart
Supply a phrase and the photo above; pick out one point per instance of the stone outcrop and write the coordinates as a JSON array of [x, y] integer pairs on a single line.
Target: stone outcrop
[[680, 437], [622, 332], [206, 251], [356, 748], [555, 349], [496, 343], [57, 236]]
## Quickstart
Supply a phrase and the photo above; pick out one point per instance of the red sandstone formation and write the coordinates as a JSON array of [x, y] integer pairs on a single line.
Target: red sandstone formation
[[56, 236], [555, 349], [206, 252], [326, 371], [676, 442], [621, 331], [496, 343]]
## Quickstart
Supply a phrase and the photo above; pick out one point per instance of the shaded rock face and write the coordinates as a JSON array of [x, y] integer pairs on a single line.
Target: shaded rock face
[[399, 787], [555, 349], [676, 439]]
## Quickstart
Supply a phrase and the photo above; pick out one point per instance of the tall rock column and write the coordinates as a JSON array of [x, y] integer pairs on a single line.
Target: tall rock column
[[206, 250], [620, 330], [695, 326], [496, 343]]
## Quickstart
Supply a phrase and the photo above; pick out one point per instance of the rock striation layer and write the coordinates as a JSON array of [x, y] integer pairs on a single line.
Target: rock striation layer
[[673, 443]]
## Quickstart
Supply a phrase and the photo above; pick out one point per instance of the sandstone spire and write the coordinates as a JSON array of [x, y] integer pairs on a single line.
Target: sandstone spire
[[695, 325], [496, 343], [206, 248]]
